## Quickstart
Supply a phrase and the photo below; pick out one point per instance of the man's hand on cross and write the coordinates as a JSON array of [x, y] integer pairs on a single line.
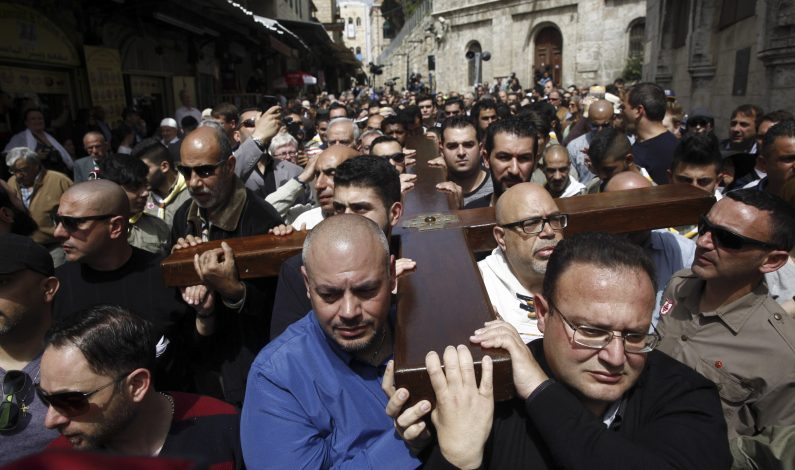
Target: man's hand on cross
[[407, 181], [527, 374], [455, 190], [409, 423], [186, 242], [464, 411], [218, 271]]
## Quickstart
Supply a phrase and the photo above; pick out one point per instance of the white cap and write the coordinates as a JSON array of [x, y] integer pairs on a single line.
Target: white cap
[[305, 104], [169, 122], [207, 113]]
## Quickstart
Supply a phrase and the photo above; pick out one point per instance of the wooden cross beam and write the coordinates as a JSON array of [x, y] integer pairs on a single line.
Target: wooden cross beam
[[445, 300]]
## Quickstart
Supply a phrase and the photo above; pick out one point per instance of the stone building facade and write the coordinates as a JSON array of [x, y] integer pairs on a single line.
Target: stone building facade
[[578, 42], [718, 54], [356, 35]]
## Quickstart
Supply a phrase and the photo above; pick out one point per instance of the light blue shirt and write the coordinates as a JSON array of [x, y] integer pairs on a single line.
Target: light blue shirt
[[670, 252], [309, 404]]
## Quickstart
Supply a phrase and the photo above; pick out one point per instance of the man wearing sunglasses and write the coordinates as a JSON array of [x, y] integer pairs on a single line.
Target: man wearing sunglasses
[[591, 394], [222, 207], [390, 149], [529, 226], [107, 402], [27, 288], [599, 115], [719, 319]]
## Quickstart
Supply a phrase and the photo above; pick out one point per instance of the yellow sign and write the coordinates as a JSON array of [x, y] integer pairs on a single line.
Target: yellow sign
[[27, 35], [105, 80], [21, 80], [142, 86]]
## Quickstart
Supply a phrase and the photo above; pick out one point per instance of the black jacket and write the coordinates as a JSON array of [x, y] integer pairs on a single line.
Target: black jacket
[[671, 419]]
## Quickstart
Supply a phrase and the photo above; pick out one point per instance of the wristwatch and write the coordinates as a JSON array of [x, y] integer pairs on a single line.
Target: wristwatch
[[303, 185], [260, 143]]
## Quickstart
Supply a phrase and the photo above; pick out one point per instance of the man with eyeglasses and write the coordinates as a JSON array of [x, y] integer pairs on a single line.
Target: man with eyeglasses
[[27, 288], [39, 190], [108, 402], [389, 148], [718, 318], [529, 226], [592, 394], [599, 115]]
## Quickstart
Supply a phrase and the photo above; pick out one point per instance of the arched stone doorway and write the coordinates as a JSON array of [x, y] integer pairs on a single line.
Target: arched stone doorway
[[548, 54]]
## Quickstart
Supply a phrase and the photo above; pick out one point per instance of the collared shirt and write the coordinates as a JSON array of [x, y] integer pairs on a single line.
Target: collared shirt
[[745, 347], [26, 192], [309, 404], [226, 219]]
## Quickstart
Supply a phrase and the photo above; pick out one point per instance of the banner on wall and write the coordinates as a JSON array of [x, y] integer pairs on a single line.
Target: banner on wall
[[105, 80], [27, 35], [26, 81]]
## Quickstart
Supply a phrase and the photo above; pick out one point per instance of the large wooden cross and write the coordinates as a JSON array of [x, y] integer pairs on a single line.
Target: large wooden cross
[[445, 300]]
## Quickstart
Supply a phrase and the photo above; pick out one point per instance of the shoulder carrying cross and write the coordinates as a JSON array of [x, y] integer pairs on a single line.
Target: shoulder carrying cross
[[445, 300]]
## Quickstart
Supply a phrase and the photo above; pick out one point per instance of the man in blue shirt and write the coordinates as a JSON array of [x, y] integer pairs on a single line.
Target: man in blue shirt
[[314, 396]]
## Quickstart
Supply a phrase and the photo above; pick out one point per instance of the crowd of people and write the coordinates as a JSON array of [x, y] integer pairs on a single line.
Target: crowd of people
[[98, 354]]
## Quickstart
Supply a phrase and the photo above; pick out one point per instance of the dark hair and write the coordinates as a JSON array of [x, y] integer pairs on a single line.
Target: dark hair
[[749, 110], [370, 172], [781, 129], [336, 105], [538, 119], [698, 149], [424, 97], [608, 143], [152, 150], [228, 111], [513, 126], [458, 122], [411, 113], [486, 103], [391, 121], [457, 101], [777, 116], [651, 96], [782, 215], [503, 111], [31, 110], [596, 249], [123, 170], [381, 140], [113, 340], [189, 123], [321, 117]]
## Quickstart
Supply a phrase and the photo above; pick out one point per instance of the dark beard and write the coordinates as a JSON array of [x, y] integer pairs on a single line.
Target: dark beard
[[23, 223]]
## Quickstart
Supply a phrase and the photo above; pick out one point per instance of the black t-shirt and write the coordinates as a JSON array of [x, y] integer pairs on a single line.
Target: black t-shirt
[[656, 155]]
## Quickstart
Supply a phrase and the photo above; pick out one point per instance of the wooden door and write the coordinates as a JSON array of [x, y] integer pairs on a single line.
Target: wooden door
[[548, 53]]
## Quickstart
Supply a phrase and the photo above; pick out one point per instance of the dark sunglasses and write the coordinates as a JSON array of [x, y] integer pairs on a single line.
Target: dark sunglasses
[[399, 157], [202, 171], [71, 404], [727, 238], [248, 123], [72, 224], [13, 385], [599, 127]]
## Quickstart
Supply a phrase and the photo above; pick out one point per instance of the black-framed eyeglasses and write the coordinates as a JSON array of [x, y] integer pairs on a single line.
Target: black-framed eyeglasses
[[535, 225], [73, 224], [202, 171], [72, 403], [10, 412], [593, 337], [728, 239]]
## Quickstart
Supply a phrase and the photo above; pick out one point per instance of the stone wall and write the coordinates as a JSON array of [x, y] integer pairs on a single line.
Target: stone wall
[[702, 71], [594, 32]]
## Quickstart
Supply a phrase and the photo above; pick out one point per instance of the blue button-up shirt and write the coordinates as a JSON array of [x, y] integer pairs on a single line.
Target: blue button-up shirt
[[309, 404]]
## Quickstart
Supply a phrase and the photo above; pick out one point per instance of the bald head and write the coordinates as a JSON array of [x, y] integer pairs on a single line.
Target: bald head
[[600, 111], [513, 204], [209, 142], [556, 153], [627, 180], [334, 241], [98, 197]]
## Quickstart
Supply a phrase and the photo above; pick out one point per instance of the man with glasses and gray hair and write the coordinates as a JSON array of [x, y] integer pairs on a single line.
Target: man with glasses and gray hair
[[719, 318], [592, 394]]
